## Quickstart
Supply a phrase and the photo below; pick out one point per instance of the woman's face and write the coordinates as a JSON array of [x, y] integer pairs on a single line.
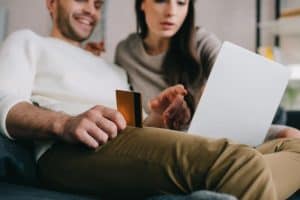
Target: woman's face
[[164, 17]]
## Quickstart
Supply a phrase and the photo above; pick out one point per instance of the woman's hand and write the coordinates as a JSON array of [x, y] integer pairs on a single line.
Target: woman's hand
[[170, 108], [96, 48]]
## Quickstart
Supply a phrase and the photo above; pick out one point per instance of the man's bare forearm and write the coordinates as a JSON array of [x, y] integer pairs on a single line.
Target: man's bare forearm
[[93, 127], [26, 121]]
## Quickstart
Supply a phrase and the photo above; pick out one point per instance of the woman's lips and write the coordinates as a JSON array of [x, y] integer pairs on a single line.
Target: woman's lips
[[167, 25]]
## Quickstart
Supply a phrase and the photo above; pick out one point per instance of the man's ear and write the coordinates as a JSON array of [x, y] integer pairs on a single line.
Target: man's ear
[[51, 6]]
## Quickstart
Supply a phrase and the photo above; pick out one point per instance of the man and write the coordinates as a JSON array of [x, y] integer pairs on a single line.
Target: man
[[50, 90]]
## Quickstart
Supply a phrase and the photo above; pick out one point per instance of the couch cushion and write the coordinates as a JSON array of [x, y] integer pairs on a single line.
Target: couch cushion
[[17, 164], [199, 195], [12, 192]]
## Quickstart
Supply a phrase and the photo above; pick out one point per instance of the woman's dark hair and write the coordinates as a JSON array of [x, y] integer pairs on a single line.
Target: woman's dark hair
[[180, 64]]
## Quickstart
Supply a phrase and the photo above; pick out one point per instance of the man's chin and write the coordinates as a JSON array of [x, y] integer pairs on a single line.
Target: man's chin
[[77, 35], [81, 37]]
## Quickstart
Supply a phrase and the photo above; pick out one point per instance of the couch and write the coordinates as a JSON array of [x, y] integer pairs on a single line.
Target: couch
[[18, 179]]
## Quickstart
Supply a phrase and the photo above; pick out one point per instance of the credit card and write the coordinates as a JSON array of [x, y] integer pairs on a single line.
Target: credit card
[[130, 105]]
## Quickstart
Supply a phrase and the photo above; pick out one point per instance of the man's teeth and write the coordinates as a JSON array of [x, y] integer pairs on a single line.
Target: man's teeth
[[83, 21]]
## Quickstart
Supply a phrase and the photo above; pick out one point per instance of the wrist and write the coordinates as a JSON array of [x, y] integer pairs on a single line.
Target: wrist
[[154, 120], [189, 99], [58, 126]]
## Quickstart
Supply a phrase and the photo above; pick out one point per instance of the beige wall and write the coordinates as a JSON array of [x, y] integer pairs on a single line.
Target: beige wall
[[29, 14], [3, 23], [120, 21], [232, 20]]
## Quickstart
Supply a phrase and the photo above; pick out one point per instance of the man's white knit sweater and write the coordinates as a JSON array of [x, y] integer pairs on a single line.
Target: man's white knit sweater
[[55, 75]]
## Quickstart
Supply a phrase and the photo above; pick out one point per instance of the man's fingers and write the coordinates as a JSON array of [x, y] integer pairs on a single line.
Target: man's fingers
[[88, 140], [97, 133], [108, 127], [108, 120], [114, 116], [94, 126]]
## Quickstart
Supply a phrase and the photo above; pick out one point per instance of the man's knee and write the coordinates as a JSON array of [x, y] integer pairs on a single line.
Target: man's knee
[[248, 165], [250, 156], [239, 161], [238, 169]]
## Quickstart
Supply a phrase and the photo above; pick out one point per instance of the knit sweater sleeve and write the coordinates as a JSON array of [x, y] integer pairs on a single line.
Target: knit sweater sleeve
[[122, 54], [208, 46], [16, 74], [117, 54]]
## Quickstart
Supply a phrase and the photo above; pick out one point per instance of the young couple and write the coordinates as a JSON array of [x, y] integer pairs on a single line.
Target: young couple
[[58, 94]]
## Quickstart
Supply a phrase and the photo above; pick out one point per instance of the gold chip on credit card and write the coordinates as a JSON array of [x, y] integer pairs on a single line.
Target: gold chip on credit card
[[130, 105]]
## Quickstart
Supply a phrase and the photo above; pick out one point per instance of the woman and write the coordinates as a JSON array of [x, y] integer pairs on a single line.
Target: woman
[[167, 49]]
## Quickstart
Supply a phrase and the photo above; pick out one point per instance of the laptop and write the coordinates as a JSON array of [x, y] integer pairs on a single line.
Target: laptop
[[241, 96]]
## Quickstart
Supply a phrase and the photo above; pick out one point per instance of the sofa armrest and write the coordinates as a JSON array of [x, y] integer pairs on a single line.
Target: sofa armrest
[[17, 163]]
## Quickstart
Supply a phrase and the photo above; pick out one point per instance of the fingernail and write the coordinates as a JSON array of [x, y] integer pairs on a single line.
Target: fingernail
[[95, 145]]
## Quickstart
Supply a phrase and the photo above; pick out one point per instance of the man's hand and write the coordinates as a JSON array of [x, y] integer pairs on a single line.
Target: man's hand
[[94, 127], [171, 107], [96, 48]]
